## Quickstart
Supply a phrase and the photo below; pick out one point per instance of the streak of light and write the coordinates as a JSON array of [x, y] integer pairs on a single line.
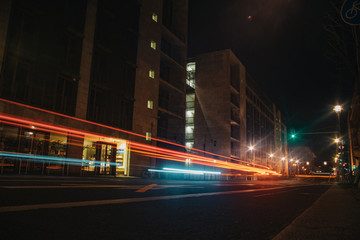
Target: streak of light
[[169, 171], [125, 200], [49, 159], [111, 128], [167, 154], [191, 171], [147, 150], [316, 176]]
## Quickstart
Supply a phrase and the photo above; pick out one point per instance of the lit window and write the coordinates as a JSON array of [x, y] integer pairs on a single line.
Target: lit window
[[148, 136], [189, 129], [153, 45], [152, 73], [155, 17], [150, 104], [190, 113], [189, 144]]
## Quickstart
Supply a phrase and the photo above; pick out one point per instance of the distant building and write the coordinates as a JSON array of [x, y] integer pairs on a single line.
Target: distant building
[[79, 78], [354, 131], [228, 114]]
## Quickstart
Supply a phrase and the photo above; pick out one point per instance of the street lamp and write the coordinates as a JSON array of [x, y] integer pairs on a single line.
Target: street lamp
[[337, 108], [252, 148]]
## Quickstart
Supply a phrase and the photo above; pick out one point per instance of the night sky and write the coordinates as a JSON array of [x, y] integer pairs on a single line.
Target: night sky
[[284, 47]]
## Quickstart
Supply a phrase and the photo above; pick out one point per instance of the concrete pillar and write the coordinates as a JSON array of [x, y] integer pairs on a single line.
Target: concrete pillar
[[86, 60], [5, 8], [75, 150]]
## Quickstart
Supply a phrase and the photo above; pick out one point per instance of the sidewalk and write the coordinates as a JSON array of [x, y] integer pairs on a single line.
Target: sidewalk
[[335, 215]]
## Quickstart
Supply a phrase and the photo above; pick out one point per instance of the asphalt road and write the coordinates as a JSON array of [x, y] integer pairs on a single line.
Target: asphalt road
[[102, 208]]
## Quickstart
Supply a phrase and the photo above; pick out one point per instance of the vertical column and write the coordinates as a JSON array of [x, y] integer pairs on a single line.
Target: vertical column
[[5, 7], [286, 152], [75, 151], [86, 59], [242, 108]]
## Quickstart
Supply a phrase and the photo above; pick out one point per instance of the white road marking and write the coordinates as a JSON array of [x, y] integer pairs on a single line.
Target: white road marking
[[124, 200], [72, 186], [154, 186], [42, 180]]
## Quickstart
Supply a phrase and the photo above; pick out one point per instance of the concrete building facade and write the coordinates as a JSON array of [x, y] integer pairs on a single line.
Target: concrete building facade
[[232, 117], [80, 79]]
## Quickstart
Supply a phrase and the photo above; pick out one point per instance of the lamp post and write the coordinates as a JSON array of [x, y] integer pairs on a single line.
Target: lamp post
[[337, 109]]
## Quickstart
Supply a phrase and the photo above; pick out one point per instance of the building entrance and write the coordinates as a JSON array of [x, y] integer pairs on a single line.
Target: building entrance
[[105, 155], [34, 143]]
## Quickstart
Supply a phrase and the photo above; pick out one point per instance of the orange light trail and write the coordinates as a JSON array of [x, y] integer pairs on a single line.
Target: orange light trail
[[147, 150], [123, 131], [316, 176], [167, 154]]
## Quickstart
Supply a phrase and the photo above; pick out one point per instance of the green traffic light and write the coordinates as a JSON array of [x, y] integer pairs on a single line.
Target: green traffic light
[[293, 135]]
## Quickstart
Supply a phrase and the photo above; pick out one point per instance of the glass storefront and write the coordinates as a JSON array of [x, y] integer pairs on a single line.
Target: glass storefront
[[105, 156], [32, 150]]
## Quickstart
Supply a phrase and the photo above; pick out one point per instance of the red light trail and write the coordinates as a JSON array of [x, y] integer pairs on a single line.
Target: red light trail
[[139, 148], [127, 132]]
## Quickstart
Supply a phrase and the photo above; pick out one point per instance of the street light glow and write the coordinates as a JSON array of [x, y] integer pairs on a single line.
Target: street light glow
[[283, 158], [271, 155], [251, 148], [337, 108], [337, 140]]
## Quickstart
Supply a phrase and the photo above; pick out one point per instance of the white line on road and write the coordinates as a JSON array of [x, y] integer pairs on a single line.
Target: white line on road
[[73, 186], [123, 200], [42, 180]]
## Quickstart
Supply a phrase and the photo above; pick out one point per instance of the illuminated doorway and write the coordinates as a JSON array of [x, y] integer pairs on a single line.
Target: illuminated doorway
[[105, 155]]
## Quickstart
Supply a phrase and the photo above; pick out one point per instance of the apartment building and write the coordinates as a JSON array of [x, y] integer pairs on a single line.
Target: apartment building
[[228, 114], [81, 79]]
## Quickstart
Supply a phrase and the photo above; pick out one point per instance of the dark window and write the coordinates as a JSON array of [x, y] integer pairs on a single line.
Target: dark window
[[16, 79], [114, 63], [66, 95], [167, 18], [44, 41], [164, 72]]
